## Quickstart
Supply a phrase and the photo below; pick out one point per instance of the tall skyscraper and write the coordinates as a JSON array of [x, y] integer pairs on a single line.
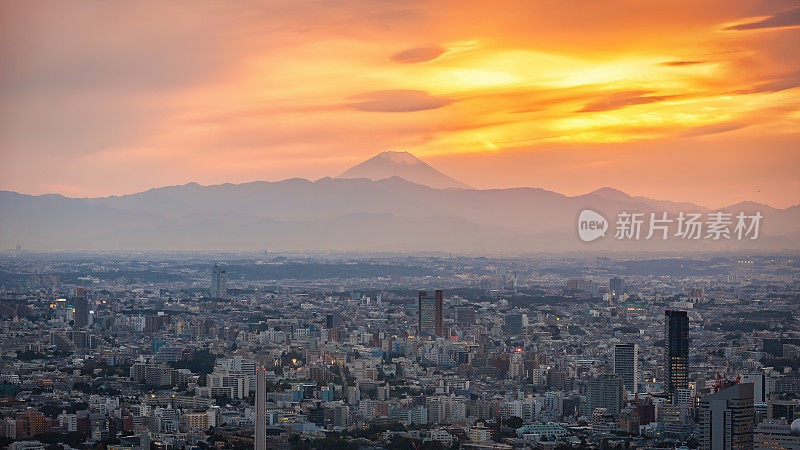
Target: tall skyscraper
[[616, 286], [261, 409], [431, 314], [333, 321], [676, 354], [604, 391], [219, 282], [81, 308], [726, 418], [626, 365]]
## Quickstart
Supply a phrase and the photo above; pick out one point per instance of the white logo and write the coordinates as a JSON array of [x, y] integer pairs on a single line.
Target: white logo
[[591, 225], [634, 226]]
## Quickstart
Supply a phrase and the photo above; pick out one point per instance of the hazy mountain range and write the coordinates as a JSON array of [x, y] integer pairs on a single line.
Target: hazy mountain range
[[382, 204]]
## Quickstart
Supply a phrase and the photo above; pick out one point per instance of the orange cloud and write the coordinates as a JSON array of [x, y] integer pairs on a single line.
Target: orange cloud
[[623, 99], [118, 97], [418, 55]]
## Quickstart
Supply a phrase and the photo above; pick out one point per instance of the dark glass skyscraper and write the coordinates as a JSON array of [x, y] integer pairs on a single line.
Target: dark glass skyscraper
[[676, 335], [333, 320], [81, 307], [431, 314]]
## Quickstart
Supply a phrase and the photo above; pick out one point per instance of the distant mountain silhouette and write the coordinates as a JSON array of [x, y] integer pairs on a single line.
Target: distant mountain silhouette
[[404, 165], [391, 214]]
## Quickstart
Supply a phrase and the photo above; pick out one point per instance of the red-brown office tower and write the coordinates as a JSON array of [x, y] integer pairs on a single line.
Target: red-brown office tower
[[431, 314]]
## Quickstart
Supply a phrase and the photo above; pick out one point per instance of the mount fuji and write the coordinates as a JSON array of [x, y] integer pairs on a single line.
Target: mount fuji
[[404, 165]]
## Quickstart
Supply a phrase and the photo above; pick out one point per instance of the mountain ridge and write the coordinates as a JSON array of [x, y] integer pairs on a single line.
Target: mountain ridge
[[196, 185], [350, 213], [338, 214]]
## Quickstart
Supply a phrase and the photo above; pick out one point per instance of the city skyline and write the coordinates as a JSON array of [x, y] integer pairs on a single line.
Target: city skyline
[[691, 102], [398, 351]]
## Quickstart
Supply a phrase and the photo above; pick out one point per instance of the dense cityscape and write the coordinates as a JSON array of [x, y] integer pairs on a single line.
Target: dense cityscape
[[264, 350]]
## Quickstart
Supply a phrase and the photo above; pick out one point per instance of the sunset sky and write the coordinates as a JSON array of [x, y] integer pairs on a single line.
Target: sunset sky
[[683, 100]]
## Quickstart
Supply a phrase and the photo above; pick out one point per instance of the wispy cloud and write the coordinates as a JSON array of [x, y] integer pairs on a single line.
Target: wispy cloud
[[683, 63], [622, 99], [418, 55], [712, 129], [788, 18], [782, 84], [397, 100]]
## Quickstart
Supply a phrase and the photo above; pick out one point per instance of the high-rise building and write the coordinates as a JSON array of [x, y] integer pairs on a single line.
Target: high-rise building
[[79, 338], [761, 386], [430, 310], [515, 323], [604, 391], [261, 409], [333, 320], [580, 284], [626, 365], [783, 409], [676, 335], [777, 435], [81, 308], [726, 418], [616, 286], [219, 282]]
